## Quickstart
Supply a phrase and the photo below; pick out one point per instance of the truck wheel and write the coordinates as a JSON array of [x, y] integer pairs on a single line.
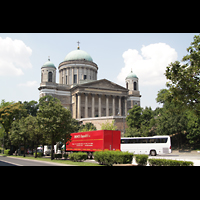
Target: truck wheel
[[153, 153]]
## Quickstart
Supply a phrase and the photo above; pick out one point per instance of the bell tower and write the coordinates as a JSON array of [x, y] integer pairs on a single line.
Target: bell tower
[[132, 84], [48, 72]]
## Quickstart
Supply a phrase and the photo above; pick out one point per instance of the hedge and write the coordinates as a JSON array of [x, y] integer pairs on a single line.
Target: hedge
[[80, 156], [59, 155], [65, 155], [167, 162], [38, 154], [141, 159], [111, 157]]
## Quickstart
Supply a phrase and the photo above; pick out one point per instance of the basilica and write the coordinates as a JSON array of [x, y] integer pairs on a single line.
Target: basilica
[[89, 99]]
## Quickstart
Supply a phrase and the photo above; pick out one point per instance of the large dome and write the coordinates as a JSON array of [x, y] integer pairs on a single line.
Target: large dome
[[78, 55]]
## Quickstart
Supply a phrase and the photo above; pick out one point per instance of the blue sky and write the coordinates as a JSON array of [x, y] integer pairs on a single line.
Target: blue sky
[[148, 54]]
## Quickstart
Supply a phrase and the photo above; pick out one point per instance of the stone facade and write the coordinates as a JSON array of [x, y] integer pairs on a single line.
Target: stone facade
[[89, 99]]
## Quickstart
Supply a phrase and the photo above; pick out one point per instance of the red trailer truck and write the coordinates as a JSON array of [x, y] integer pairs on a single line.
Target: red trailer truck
[[92, 141]]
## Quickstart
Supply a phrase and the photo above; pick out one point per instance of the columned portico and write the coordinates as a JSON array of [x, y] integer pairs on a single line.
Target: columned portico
[[88, 107]]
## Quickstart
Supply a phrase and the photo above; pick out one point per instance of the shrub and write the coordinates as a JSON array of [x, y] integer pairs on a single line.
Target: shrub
[[110, 157], [39, 154], [65, 155], [141, 159], [80, 156], [168, 162], [6, 152], [59, 155]]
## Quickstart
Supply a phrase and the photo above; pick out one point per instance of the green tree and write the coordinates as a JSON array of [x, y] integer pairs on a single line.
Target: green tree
[[15, 134], [184, 79], [132, 132], [193, 128], [140, 122], [31, 107], [109, 126], [36, 135], [134, 117], [54, 119], [8, 114], [171, 120], [87, 127]]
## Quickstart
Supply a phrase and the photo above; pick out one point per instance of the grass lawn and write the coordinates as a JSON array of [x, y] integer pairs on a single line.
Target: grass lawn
[[59, 161]]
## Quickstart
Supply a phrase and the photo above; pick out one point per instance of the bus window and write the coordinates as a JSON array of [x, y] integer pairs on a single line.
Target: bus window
[[157, 140], [152, 141], [163, 140]]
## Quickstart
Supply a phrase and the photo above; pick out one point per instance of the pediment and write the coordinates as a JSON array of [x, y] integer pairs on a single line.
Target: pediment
[[103, 84]]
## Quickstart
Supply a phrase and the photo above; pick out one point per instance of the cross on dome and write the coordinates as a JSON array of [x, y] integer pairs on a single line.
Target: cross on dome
[[78, 45]]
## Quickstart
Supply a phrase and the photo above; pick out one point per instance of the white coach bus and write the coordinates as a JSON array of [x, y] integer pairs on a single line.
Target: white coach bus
[[147, 145]]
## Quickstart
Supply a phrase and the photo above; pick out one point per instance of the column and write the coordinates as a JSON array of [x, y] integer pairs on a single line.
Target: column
[[77, 75], [113, 108], [72, 75], [68, 76], [120, 110], [86, 105], [64, 76], [93, 108], [125, 106], [99, 105], [107, 105], [79, 106]]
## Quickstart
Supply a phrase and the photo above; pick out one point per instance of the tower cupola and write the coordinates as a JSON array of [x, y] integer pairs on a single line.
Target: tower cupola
[[48, 72]]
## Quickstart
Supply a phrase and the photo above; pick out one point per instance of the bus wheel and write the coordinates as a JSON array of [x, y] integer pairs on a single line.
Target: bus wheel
[[153, 153]]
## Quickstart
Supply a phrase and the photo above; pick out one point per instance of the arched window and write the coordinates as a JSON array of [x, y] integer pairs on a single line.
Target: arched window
[[127, 85], [50, 75], [135, 86]]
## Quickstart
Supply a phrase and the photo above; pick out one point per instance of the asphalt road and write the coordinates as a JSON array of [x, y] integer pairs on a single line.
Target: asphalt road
[[10, 161]]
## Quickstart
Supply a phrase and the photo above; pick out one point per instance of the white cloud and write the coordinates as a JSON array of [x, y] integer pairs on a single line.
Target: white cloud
[[150, 66], [29, 84], [14, 56]]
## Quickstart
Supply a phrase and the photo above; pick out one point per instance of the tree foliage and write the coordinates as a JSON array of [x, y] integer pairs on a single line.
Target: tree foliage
[[184, 79], [87, 127], [109, 125], [54, 120], [140, 122]]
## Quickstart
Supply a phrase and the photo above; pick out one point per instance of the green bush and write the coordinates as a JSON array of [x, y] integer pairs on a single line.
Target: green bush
[[111, 157], [65, 156], [141, 159], [59, 155], [168, 162], [6, 152], [80, 156], [39, 154]]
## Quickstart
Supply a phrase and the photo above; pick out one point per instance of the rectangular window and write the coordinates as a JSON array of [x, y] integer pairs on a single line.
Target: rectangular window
[[66, 79], [85, 77], [75, 78]]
